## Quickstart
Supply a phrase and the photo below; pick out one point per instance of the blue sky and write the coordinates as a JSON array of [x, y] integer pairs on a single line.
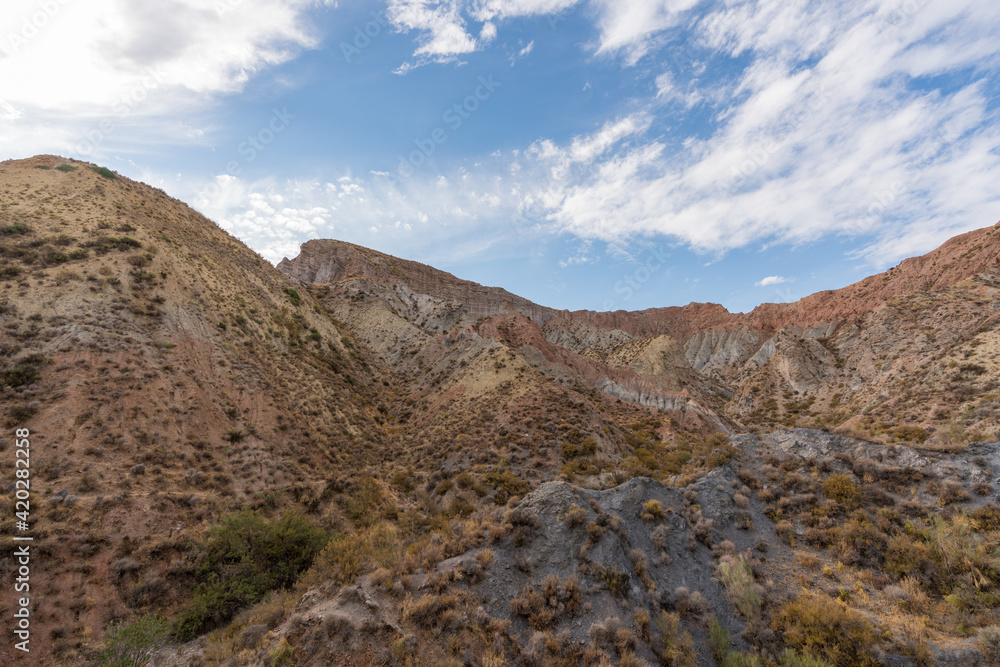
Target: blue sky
[[597, 154]]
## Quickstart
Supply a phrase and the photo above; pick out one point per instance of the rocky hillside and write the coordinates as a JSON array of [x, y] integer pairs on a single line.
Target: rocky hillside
[[360, 460], [849, 359], [168, 375]]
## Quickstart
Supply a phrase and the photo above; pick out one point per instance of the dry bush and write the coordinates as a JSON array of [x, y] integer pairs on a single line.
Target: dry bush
[[556, 597], [575, 516], [909, 595], [430, 610], [652, 510], [807, 560], [842, 489], [678, 645], [815, 624], [953, 491], [786, 531], [736, 576], [989, 644], [640, 563]]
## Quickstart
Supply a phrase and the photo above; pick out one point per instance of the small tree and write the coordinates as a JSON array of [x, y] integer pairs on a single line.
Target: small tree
[[132, 644]]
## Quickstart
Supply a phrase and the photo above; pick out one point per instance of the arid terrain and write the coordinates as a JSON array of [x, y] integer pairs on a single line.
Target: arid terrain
[[355, 459]]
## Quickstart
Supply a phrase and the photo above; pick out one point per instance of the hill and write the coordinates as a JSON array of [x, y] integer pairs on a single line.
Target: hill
[[355, 459]]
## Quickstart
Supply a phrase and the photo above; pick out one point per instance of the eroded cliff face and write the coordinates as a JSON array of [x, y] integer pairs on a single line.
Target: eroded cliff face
[[325, 261], [821, 361]]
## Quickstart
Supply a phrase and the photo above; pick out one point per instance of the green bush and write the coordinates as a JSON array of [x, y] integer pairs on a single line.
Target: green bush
[[293, 296], [132, 644], [103, 244], [56, 257], [572, 450], [66, 168], [18, 228], [245, 557], [506, 485], [105, 172], [21, 375]]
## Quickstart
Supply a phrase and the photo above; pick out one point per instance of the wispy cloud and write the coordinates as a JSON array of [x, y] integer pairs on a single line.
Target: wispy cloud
[[770, 280], [828, 130], [816, 118], [627, 27]]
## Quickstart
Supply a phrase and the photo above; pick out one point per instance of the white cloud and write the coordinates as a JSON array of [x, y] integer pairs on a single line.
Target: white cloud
[[626, 26], [770, 280], [133, 64], [823, 133], [820, 128], [441, 24]]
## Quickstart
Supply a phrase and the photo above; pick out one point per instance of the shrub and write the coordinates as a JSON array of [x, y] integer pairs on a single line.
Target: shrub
[[542, 608], [678, 645], [823, 627], [235, 435], [293, 296], [615, 580], [572, 450], [105, 173], [18, 228], [405, 480], [652, 510], [66, 168], [910, 433], [347, 556], [20, 375], [986, 517], [506, 485], [245, 557], [989, 643], [133, 644], [860, 542], [842, 489], [575, 516], [20, 413], [737, 578], [364, 502]]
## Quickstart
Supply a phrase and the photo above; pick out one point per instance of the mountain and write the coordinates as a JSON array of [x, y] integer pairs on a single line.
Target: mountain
[[844, 359], [356, 459]]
